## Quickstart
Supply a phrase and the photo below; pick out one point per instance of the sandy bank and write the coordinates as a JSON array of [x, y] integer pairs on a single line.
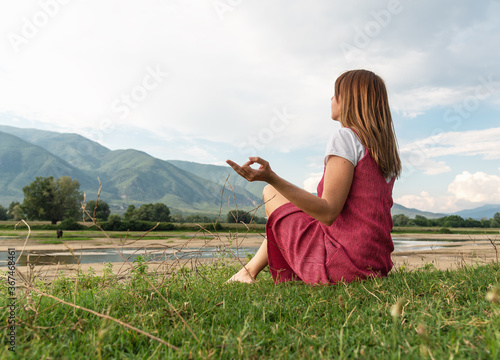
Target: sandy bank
[[471, 250]]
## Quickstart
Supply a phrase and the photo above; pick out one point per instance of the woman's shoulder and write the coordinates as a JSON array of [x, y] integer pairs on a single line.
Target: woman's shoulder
[[345, 133], [344, 142], [348, 132]]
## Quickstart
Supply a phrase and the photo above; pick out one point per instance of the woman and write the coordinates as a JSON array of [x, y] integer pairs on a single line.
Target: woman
[[343, 234]]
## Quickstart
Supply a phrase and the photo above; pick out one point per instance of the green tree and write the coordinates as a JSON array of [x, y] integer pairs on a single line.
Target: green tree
[[259, 220], [485, 223], [102, 211], [152, 212], [401, 220], [161, 212], [470, 222], [198, 219], [454, 221], [129, 213], [495, 221], [54, 200], [3, 213], [177, 218], [420, 220], [68, 198], [114, 222], [238, 216], [15, 211]]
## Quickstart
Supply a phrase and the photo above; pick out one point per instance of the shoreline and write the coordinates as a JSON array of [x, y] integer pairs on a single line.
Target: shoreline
[[470, 250]]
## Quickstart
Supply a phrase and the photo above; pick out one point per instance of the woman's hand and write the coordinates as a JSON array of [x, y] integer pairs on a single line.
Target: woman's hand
[[263, 173]]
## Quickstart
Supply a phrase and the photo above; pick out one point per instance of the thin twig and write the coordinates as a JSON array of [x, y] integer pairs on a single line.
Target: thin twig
[[27, 237], [494, 244]]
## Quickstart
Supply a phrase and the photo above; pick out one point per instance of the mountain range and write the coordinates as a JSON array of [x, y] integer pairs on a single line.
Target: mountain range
[[127, 176], [134, 177]]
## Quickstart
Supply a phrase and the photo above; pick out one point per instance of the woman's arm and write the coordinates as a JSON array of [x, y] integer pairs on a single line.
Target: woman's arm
[[337, 183]]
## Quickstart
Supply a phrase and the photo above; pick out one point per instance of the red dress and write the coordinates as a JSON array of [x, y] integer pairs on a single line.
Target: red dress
[[357, 245]]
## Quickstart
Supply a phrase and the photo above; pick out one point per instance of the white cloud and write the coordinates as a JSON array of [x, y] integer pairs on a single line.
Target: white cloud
[[420, 154], [413, 102], [416, 160], [475, 142], [311, 183], [426, 202], [423, 201], [478, 187], [467, 190], [228, 76]]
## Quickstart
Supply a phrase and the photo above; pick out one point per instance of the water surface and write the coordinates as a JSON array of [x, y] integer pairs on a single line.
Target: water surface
[[161, 254]]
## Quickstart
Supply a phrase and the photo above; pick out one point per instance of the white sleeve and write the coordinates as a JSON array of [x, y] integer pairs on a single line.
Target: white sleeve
[[345, 143]]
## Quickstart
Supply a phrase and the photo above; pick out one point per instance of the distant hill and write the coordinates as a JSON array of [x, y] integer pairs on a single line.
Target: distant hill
[[127, 176], [219, 174], [76, 150], [485, 211], [134, 177], [411, 213], [21, 162]]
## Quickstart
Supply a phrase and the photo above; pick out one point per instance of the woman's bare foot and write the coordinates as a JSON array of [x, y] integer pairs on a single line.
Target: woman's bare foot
[[242, 276]]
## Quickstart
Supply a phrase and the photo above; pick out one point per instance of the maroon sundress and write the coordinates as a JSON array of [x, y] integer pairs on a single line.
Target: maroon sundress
[[357, 245]]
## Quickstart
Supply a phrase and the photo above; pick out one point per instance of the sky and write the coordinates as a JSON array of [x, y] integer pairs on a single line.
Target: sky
[[207, 81]]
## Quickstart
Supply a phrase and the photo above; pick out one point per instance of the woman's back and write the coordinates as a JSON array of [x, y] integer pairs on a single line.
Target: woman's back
[[363, 228]]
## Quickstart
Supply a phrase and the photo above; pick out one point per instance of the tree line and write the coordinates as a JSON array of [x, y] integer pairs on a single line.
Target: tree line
[[454, 221], [56, 200]]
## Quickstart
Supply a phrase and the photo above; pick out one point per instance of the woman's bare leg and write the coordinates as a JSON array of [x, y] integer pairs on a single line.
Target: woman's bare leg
[[273, 199]]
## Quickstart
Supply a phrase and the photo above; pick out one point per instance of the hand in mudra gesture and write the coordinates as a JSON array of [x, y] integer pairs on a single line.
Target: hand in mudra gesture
[[263, 173]]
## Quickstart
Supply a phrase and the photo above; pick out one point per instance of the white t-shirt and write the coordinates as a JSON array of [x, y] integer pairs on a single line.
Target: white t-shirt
[[346, 144]]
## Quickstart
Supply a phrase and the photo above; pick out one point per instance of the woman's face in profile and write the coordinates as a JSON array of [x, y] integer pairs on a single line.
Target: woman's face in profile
[[335, 108]]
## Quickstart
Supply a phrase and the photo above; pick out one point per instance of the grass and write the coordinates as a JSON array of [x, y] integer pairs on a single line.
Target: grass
[[438, 314], [438, 230], [193, 313], [180, 228], [42, 236], [189, 228]]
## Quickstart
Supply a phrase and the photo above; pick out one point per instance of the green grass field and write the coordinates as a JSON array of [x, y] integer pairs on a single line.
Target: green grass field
[[49, 236], [416, 314], [193, 313]]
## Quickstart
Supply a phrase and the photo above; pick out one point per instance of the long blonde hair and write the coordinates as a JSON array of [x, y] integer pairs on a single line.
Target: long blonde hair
[[364, 107]]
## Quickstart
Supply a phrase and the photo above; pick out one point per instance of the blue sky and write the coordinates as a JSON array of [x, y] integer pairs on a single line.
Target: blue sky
[[209, 80]]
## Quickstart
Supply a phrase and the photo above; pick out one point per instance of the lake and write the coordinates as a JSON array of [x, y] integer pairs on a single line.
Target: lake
[[160, 254]]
